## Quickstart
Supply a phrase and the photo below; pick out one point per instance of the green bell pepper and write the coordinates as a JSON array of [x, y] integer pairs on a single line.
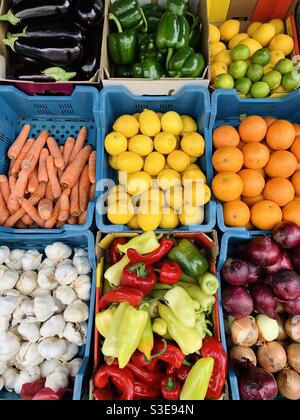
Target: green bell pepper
[[124, 72], [195, 33], [206, 301], [147, 49], [110, 345], [196, 384], [178, 6], [188, 256], [122, 46], [148, 68], [182, 305], [153, 13], [129, 13], [186, 63]]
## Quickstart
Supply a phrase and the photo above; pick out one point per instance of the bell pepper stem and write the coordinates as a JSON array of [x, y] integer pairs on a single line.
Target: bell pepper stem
[[10, 42], [114, 18], [145, 21], [158, 354], [11, 18], [186, 363], [194, 18], [59, 74], [169, 56]]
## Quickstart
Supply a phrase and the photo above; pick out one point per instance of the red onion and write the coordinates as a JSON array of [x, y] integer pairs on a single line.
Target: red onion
[[287, 235], [287, 285], [292, 307], [235, 272], [256, 272], [237, 301], [262, 250], [269, 281], [296, 258], [284, 264], [256, 384], [264, 300]]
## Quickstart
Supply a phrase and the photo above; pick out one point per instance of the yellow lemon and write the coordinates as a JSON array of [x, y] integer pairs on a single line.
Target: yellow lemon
[[190, 215], [196, 193], [193, 175], [174, 197], [269, 67], [138, 183], [169, 219], [140, 144], [252, 44], [168, 178], [192, 166], [214, 33], [136, 116], [229, 29], [130, 162], [159, 114], [127, 125], [282, 43], [153, 195], [264, 34], [133, 223], [276, 56], [253, 28], [178, 160], [123, 178], [172, 123], [115, 143], [217, 69], [189, 124], [165, 142], [215, 48], [223, 57], [234, 42], [120, 213], [117, 193], [154, 163], [193, 159], [113, 160], [166, 166], [279, 26], [193, 144], [149, 123], [149, 216]]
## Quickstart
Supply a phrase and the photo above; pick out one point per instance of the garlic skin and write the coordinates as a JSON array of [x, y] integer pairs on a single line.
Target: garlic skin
[[31, 260], [8, 280], [81, 262], [9, 377], [83, 286], [53, 327], [15, 259], [29, 329], [77, 312], [9, 346], [46, 279], [3, 367], [72, 351], [58, 252], [47, 263], [58, 379], [66, 295], [27, 282], [1, 383], [27, 376], [4, 254], [80, 252], [49, 366], [40, 292], [44, 307], [52, 348], [28, 355], [65, 274], [4, 324], [74, 367], [9, 301], [27, 307], [76, 333]]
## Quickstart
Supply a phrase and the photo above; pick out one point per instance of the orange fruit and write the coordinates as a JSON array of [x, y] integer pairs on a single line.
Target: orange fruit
[[297, 199], [253, 182], [295, 149], [256, 155], [291, 212], [225, 136], [227, 186], [241, 145], [281, 135], [297, 128], [262, 172], [265, 215], [296, 182], [253, 129], [236, 213], [281, 164], [228, 158], [250, 201], [279, 190], [270, 120]]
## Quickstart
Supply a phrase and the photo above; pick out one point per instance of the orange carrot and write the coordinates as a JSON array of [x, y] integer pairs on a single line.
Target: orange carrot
[[32, 157], [16, 147], [20, 225], [74, 201], [72, 220], [4, 213], [4, 188], [68, 148], [18, 191], [81, 138], [33, 181], [50, 223], [42, 171], [55, 153], [52, 174], [49, 191], [73, 171], [12, 180], [92, 192], [16, 164], [45, 208], [59, 224], [84, 189], [64, 208], [31, 211], [82, 218], [92, 167]]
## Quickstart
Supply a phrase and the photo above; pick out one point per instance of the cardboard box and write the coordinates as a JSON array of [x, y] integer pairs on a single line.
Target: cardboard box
[[165, 86]]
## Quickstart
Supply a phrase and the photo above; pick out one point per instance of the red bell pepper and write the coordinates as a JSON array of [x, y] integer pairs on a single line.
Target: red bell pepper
[[121, 294], [213, 348], [170, 388], [182, 373], [114, 254], [121, 379], [173, 355], [104, 394], [152, 379], [164, 248], [170, 272], [139, 360], [143, 391], [140, 277]]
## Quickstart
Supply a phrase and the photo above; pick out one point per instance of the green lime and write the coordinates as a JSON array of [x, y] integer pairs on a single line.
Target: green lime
[[273, 79], [224, 81], [240, 52], [262, 57], [284, 66], [238, 69], [260, 90], [243, 85], [291, 81], [255, 72]]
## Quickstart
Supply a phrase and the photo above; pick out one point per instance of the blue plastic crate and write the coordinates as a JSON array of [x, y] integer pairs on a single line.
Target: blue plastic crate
[[75, 240], [117, 101], [62, 116], [227, 108]]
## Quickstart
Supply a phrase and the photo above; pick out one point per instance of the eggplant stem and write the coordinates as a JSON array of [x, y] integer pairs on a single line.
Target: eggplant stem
[[11, 18], [114, 18], [59, 74], [21, 34], [10, 42]]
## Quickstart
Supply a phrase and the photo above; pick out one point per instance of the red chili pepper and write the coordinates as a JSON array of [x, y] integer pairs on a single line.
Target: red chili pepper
[[121, 294], [171, 370], [114, 254], [213, 348], [165, 246], [173, 355], [152, 379], [28, 391], [170, 272], [139, 276], [47, 394], [170, 388], [143, 391], [139, 360], [182, 373], [121, 379], [103, 394]]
